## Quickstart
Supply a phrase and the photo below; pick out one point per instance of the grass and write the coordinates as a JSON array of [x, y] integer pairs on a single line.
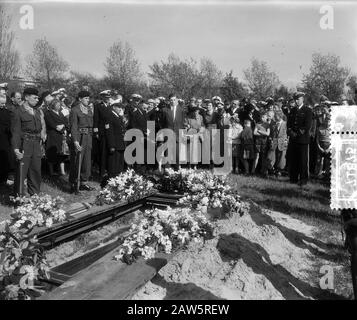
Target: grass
[[55, 187]]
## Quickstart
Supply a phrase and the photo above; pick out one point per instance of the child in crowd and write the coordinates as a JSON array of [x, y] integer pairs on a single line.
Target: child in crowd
[[247, 146], [235, 129], [261, 134], [323, 144]]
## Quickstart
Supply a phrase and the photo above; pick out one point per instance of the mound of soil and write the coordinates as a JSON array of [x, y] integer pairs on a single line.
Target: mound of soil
[[262, 255]]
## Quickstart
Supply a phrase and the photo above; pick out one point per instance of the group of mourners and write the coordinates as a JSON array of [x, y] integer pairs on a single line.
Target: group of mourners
[[268, 137]]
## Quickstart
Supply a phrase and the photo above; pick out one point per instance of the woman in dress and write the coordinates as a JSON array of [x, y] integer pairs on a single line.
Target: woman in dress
[[57, 127]]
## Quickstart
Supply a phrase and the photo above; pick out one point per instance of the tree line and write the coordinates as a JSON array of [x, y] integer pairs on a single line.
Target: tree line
[[185, 77]]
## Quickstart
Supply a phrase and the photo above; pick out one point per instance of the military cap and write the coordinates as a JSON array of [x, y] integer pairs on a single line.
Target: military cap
[[269, 100], [298, 94], [30, 91], [62, 90], [151, 101], [105, 93], [83, 94], [136, 96], [281, 99], [3, 85], [54, 93], [207, 101], [291, 99]]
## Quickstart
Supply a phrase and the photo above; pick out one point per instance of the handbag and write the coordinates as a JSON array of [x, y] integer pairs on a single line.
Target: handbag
[[65, 147]]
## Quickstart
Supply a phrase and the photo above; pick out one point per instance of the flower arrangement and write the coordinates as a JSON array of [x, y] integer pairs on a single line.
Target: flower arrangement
[[22, 262], [128, 186], [22, 259], [163, 230], [204, 190], [37, 211], [174, 181]]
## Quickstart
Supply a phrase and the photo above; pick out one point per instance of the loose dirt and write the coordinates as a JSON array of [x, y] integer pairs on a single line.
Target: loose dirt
[[262, 255]]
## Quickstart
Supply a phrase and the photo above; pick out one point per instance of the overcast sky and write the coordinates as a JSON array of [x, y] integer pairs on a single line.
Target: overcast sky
[[284, 34]]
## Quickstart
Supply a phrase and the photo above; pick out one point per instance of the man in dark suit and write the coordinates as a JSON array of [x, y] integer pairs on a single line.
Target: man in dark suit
[[234, 107], [173, 118], [100, 115], [137, 119], [299, 125], [115, 131]]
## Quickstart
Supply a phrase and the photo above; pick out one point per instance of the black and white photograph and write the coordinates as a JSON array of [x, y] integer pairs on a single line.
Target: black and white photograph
[[193, 151]]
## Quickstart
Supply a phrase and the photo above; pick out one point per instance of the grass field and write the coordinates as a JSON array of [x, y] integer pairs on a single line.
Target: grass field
[[55, 187]]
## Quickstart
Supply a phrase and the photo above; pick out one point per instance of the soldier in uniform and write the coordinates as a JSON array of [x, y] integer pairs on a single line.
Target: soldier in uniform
[[299, 125], [81, 128], [101, 111], [28, 132], [115, 130], [5, 142], [138, 119]]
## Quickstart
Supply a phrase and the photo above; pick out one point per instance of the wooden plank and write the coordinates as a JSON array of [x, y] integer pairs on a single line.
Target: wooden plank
[[107, 279]]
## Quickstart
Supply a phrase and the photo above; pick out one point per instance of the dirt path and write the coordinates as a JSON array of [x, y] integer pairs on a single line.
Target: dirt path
[[262, 255]]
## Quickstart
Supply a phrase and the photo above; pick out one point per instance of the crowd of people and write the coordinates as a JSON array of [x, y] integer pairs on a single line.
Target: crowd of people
[[270, 137]]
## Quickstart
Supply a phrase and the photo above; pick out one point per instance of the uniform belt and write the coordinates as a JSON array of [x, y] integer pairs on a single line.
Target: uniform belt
[[85, 130], [32, 136]]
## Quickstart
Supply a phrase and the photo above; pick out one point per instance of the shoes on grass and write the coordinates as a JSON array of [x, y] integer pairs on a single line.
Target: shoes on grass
[[85, 187]]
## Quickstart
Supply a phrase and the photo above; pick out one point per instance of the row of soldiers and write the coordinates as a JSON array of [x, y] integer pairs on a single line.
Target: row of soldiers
[[94, 132]]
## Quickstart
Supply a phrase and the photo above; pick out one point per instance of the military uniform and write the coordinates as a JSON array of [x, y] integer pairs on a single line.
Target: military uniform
[[115, 131], [28, 130], [81, 128], [100, 116], [5, 143], [299, 125]]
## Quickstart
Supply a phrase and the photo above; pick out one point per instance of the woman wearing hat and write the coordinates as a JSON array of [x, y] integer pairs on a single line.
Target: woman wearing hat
[[56, 145]]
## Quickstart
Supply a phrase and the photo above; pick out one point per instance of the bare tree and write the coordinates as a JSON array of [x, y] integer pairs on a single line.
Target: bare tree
[[45, 64], [326, 77], [122, 68], [9, 56], [211, 78], [261, 81], [232, 88], [180, 76]]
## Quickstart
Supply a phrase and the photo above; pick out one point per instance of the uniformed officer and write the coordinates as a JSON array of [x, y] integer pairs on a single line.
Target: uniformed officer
[[28, 132], [138, 119], [115, 131], [101, 111], [5, 142], [81, 128], [299, 125]]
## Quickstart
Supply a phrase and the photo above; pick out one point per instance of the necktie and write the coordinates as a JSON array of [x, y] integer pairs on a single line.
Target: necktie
[[173, 113]]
